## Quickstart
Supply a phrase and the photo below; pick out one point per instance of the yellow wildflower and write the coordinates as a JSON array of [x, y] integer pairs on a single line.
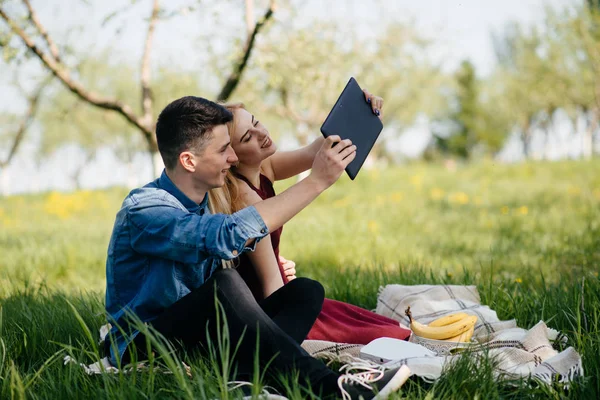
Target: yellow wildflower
[[8, 222], [65, 205], [437, 194], [504, 210], [519, 280], [373, 226], [523, 210], [460, 198], [397, 197], [416, 180]]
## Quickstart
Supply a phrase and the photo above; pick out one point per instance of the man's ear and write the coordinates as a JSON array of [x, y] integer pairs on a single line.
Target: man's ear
[[188, 161]]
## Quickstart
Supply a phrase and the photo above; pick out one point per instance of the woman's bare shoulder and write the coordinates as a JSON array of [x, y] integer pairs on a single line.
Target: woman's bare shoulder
[[266, 168], [248, 196]]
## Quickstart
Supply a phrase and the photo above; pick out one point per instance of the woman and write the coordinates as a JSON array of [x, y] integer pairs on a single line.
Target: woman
[[265, 270]]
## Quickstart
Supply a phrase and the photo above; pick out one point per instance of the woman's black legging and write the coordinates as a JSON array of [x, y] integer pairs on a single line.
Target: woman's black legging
[[281, 322]]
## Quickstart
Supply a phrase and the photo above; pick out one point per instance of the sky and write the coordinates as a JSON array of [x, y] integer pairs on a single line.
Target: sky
[[461, 29]]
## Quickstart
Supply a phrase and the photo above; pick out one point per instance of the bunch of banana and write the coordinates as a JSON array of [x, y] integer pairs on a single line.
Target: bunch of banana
[[457, 327]]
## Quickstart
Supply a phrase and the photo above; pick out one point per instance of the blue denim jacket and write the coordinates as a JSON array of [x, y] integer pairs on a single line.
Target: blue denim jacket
[[163, 246]]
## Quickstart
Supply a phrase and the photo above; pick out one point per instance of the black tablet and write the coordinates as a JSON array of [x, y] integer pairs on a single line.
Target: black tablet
[[352, 118]]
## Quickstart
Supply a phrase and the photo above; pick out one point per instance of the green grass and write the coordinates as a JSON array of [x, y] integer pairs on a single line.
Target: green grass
[[528, 236]]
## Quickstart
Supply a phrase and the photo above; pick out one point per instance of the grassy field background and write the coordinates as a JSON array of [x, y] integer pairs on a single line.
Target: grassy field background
[[527, 235]]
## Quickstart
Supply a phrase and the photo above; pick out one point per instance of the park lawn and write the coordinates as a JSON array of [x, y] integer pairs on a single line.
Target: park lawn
[[527, 235]]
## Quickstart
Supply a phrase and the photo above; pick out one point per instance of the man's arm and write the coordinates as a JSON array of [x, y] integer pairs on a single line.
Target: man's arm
[[328, 165], [168, 232]]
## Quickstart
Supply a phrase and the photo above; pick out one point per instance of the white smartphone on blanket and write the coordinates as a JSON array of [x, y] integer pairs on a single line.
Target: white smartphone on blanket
[[386, 349]]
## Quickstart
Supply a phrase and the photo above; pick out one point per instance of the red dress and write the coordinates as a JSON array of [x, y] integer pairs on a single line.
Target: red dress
[[338, 322]]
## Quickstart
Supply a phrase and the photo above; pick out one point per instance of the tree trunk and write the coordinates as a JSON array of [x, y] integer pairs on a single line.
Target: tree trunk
[[547, 140], [588, 137], [526, 138], [75, 177]]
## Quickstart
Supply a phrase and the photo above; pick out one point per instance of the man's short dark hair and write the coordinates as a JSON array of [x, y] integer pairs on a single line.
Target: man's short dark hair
[[186, 124]]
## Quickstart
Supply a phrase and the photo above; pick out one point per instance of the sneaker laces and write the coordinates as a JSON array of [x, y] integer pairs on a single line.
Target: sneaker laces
[[361, 373]]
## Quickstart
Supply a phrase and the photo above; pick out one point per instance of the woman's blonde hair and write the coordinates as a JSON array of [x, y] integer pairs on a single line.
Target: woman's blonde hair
[[226, 199]]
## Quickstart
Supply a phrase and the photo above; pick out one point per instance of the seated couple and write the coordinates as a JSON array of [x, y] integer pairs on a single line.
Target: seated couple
[[167, 249], [249, 182]]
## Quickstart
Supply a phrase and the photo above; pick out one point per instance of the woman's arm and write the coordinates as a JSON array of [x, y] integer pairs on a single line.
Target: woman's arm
[[285, 164], [265, 264], [263, 257]]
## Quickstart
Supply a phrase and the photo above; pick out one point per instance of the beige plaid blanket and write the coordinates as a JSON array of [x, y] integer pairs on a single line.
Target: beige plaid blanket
[[518, 352]]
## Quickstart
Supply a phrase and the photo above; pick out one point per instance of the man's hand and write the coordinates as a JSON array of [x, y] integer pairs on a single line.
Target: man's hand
[[289, 268], [330, 161]]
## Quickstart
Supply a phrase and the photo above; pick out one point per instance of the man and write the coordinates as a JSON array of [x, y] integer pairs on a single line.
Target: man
[[166, 251]]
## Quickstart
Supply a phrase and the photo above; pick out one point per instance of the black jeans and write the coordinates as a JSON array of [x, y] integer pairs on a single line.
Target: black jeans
[[281, 322]]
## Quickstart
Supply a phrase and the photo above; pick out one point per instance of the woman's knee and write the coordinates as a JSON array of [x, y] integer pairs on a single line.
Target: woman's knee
[[308, 288]]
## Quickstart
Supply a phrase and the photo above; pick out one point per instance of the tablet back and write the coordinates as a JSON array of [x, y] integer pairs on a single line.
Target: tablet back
[[352, 118]]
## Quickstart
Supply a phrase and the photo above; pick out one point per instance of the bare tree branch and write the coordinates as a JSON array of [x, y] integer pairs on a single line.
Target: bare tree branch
[[145, 75], [25, 122], [75, 87], [240, 65], [36, 21]]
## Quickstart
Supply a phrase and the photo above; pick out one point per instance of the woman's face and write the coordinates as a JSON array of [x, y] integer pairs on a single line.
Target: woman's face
[[251, 140]]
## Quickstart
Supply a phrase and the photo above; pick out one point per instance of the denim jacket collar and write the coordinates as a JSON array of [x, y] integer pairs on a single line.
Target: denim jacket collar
[[164, 182]]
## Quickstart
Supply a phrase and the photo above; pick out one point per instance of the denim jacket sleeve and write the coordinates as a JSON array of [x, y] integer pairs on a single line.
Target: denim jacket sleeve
[[166, 231]]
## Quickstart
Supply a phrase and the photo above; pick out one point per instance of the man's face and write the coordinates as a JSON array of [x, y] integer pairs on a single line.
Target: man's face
[[213, 162]]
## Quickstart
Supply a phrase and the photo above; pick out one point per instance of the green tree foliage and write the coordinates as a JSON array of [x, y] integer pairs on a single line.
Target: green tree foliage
[[554, 67], [295, 90], [463, 139], [297, 71], [475, 122]]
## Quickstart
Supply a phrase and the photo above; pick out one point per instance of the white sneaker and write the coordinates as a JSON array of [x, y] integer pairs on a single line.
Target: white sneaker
[[364, 380]]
